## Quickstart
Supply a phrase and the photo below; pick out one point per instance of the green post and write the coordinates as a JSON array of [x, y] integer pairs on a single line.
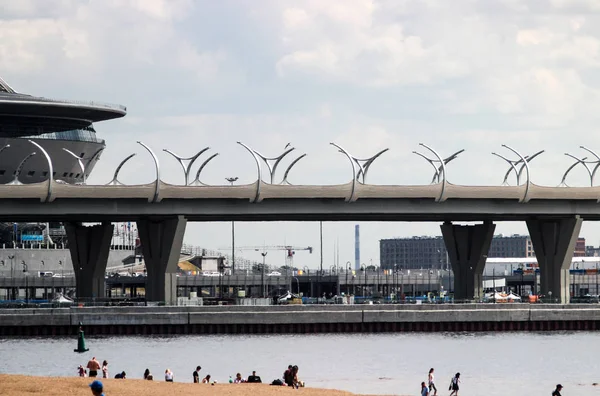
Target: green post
[[81, 341]]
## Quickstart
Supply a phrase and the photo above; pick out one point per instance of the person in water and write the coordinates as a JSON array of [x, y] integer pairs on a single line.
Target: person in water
[[431, 382], [557, 390], [454, 385]]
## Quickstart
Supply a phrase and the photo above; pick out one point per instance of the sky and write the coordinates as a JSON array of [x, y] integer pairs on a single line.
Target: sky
[[368, 75]]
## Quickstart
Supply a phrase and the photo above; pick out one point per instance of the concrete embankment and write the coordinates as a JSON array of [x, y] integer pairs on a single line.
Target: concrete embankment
[[300, 319]]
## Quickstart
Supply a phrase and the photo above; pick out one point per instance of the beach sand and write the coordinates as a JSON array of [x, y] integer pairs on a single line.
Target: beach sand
[[21, 385]]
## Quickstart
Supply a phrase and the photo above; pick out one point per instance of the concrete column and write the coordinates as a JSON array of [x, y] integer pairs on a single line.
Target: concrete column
[[554, 244], [161, 241], [89, 246], [468, 246]]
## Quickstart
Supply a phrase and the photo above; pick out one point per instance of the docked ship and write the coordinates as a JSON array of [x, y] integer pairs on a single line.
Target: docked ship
[[64, 129]]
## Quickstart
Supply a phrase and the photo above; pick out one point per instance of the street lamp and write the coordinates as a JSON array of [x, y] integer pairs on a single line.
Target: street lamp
[[232, 180], [262, 274], [26, 282]]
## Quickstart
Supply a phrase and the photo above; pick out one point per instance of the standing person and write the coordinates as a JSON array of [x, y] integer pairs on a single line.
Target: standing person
[[557, 390], [81, 371], [93, 366], [105, 369], [431, 382], [97, 388], [196, 375], [424, 389], [454, 385], [168, 375]]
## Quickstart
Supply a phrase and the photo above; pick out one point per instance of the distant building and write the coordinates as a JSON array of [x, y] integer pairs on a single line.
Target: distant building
[[430, 252], [580, 248]]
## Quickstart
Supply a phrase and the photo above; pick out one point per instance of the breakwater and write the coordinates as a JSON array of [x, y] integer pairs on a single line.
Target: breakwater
[[300, 319]]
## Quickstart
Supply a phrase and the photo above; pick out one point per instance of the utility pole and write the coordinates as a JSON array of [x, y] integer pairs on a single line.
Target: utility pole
[[321, 250], [262, 274], [232, 180]]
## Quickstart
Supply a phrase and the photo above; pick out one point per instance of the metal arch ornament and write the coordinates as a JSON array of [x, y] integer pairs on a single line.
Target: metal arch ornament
[[353, 164], [49, 197], [583, 161], [192, 159], [156, 196], [519, 172], [440, 174], [271, 167], [438, 169], [197, 181], [115, 181], [513, 164], [16, 181], [78, 158]]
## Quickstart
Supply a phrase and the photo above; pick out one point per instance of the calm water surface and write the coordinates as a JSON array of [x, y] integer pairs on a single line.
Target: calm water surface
[[490, 364]]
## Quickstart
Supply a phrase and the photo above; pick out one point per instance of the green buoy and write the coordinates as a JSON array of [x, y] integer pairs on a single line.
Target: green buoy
[[81, 341]]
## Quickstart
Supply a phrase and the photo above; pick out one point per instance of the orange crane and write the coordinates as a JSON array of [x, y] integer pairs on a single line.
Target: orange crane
[[290, 251]]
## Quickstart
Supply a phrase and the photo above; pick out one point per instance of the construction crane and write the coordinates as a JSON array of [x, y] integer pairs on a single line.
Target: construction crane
[[290, 251]]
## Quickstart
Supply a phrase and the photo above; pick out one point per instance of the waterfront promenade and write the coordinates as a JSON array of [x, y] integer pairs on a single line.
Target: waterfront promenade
[[20, 385], [300, 319]]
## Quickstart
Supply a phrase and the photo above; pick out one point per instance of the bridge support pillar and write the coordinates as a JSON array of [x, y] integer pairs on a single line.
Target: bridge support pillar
[[161, 241], [89, 246], [467, 247], [554, 245]]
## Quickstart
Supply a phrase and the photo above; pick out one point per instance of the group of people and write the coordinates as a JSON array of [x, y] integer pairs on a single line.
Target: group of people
[[429, 387], [290, 377], [94, 367]]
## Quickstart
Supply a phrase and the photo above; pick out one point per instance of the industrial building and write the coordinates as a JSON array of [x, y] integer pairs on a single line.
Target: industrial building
[[430, 251]]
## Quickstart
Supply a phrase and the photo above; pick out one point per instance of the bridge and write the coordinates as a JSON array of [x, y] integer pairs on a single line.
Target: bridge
[[553, 214]]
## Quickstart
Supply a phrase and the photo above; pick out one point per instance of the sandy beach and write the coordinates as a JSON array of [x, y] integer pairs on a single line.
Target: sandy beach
[[21, 385]]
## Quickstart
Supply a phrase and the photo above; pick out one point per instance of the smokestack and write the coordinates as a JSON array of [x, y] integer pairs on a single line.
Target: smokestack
[[357, 247]]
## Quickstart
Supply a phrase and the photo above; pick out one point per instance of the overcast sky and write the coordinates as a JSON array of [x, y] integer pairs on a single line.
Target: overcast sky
[[365, 74]]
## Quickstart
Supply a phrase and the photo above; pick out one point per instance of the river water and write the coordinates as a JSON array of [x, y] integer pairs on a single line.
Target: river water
[[490, 364]]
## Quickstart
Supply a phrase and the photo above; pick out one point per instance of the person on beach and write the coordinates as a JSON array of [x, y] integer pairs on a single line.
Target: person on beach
[[105, 369], [254, 379], [121, 375], [93, 366], [206, 380], [288, 378], [238, 379], [431, 382], [168, 375], [97, 388], [557, 390], [196, 375], [424, 389], [146, 374], [454, 385], [296, 382]]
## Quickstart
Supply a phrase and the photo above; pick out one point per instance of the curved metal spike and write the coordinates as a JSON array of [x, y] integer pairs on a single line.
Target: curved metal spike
[[192, 159], [447, 160], [435, 168], [258, 168], [367, 164], [529, 159], [49, 197], [156, 196], [563, 182], [16, 180], [353, 164], [441, 198], [278, 160], [289, 168], [597, 163], [115, 181], [528, 174], [78, 158], [512, 167], [197, 181]]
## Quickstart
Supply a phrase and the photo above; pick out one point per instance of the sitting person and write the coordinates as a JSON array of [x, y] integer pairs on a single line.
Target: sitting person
[[238, 379], [121, 375], [206, 380], [254, 379], [168, 375]]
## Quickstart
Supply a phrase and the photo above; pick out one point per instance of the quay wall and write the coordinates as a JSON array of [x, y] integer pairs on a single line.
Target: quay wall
[[299, 319]]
